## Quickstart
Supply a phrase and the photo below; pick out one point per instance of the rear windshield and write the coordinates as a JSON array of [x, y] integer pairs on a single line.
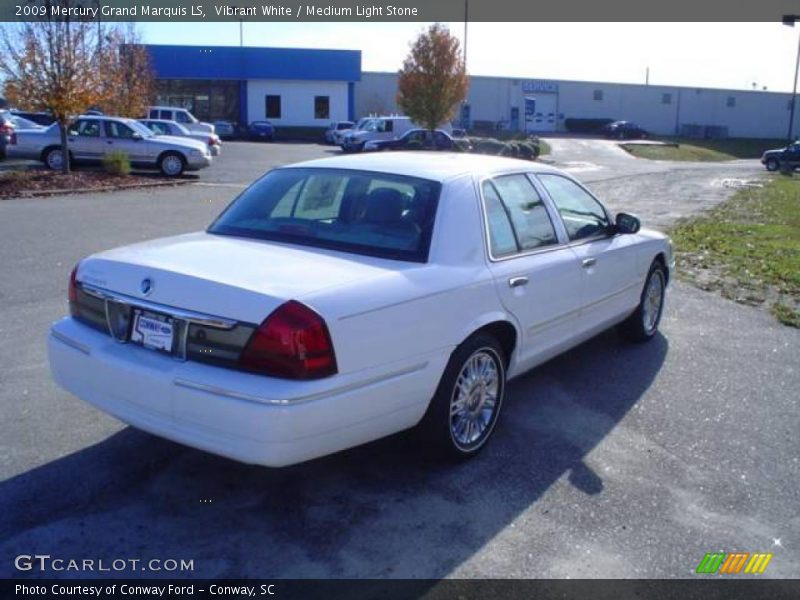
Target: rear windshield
[[375, 214]]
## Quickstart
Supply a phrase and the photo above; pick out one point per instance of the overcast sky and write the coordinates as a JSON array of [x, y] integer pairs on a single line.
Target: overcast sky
[[729, 55]]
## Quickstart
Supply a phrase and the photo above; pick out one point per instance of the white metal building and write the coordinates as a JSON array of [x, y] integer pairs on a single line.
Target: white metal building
[[545, 105]]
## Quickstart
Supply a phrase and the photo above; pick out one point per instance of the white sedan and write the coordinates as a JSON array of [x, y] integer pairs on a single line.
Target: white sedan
[[341, 300]]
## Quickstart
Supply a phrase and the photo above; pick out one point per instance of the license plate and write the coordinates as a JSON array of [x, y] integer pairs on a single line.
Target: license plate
[[153, 331]]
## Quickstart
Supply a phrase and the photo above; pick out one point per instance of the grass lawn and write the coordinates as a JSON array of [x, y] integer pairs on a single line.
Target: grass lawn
[[748, 248], [705, 150]]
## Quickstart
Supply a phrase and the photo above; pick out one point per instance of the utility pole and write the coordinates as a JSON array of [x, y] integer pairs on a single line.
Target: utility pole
[[790, 21], [466, 20]]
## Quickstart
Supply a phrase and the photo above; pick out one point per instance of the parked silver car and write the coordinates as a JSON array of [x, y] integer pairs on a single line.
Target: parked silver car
[[173, 128], [181, 115], [90, 138]]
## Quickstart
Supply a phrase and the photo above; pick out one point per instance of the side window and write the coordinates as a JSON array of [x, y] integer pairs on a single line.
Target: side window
[[526, 210], [159, 128], [182, 117], [118, 130], [501, 237], [153, 113], [583, 216], [86, 128], [322, 107], [272, 107], [166, 115]]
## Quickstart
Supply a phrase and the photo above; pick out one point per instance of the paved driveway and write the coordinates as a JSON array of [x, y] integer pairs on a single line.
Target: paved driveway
[[610, 461]]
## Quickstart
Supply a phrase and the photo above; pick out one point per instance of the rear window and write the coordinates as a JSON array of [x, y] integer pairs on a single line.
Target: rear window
[[374, 214]]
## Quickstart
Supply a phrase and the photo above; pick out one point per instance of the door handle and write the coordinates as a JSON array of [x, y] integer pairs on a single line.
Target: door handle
[[517, 281], [588, 262]]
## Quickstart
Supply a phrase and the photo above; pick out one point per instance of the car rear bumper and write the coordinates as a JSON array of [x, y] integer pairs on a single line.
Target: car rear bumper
[[246, 417]]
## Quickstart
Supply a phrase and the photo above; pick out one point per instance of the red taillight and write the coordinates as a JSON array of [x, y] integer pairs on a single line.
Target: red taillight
[[213, 141], [6, 129], [292, 342]]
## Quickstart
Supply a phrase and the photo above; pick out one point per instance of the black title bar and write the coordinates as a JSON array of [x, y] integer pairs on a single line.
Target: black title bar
[[397, 10], [715, 588]]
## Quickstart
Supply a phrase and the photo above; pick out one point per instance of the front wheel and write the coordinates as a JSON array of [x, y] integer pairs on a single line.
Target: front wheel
[[464, 411], [642, 325], [172, 164], [773, 164]]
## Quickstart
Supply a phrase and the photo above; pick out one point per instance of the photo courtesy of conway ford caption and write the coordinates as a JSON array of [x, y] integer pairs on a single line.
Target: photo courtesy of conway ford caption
[[341, 300]]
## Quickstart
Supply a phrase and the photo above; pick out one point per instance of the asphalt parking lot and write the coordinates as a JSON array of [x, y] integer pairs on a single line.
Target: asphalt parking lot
[[610, 461]]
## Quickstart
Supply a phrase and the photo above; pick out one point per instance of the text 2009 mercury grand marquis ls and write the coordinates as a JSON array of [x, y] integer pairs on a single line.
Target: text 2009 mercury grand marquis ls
[[341, 300]]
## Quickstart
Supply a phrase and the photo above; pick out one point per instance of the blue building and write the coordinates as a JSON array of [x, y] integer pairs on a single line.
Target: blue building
[[289, 86]]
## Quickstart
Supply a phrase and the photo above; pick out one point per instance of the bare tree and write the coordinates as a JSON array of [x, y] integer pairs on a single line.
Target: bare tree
[[433, 80], [54, 64]]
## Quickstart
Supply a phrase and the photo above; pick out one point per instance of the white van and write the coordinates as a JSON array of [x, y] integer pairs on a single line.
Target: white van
[[181, 115], [381, 128]]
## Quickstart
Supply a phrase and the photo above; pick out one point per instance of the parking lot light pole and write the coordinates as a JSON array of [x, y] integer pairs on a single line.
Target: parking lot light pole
[[790, 21]]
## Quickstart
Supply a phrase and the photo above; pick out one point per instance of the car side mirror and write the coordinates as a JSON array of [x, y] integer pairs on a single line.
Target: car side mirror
[[627, 223], [136, 136]]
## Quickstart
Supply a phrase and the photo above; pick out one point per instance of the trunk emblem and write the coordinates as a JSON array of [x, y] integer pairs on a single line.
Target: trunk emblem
[[146, 286]]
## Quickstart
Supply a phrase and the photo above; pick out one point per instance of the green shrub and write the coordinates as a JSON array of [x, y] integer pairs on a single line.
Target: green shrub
[[117, 163]]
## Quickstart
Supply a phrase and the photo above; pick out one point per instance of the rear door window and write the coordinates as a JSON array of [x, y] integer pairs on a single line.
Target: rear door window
[[525, 210]]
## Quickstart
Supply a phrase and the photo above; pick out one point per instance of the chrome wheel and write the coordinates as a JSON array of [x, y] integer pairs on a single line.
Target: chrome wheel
[[55, 160], [172, 165], [476, 399], [653, 301]]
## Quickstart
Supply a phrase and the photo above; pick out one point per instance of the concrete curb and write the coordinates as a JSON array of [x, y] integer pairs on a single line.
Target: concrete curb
[[105, 188]]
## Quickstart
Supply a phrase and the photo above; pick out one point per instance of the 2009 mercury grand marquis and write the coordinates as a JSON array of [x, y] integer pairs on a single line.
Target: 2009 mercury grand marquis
[[340, 300]]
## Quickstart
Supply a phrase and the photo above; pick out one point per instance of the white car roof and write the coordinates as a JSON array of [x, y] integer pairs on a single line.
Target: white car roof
[[435, 166]]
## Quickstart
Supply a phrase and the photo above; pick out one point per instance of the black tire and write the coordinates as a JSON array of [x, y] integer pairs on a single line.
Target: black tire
[[171, 164], [773, 164], [437, 426], [638, 327]]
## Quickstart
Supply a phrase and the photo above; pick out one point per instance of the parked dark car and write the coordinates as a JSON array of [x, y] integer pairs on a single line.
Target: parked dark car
[[261, 130], [787, 157], [40, 118], [624, 130], [418, 139]]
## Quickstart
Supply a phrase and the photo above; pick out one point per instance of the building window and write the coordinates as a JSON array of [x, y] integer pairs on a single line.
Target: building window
[[598, 95], [273, 107], [322, 107], [666, 98], [731, 102]]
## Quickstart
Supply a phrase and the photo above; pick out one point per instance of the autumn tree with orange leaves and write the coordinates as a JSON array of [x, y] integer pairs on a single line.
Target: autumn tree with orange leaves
[[67, 66], [433, 81], [130, 79]]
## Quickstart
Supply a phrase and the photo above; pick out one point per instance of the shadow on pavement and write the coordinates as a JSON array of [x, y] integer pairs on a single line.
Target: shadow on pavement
[[381, 510]]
